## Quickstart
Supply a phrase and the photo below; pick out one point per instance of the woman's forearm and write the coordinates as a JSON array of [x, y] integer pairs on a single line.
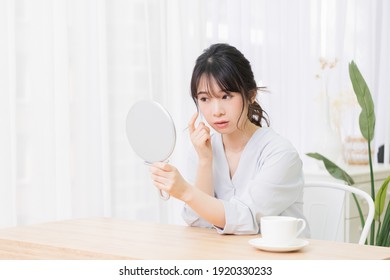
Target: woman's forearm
[[202, 199], [204, 177], [208, 207]]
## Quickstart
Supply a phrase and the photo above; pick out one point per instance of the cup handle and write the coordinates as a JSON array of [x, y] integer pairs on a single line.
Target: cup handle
[[301, 228]]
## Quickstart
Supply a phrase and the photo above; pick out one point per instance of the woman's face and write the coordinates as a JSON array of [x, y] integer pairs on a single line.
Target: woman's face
[[221, 109]]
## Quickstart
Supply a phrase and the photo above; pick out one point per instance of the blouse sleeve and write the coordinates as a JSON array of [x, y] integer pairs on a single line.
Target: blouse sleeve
[[276, 186], [193, 219]]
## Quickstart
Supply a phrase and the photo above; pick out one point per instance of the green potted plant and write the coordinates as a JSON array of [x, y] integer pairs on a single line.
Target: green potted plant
[[380, 228]]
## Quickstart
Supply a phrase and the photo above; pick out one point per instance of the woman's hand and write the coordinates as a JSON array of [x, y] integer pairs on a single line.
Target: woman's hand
[[200, 138], [168, 179]]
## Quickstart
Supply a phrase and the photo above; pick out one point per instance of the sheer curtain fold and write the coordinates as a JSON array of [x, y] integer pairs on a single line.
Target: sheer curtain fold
[[62, 182], [88, 110], [382, 80], [7, 116]]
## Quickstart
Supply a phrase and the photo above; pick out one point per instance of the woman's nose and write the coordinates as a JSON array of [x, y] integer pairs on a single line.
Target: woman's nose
[[218, 109]]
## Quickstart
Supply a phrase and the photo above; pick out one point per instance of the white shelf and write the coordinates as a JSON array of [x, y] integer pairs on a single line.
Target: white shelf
[[359, 173]]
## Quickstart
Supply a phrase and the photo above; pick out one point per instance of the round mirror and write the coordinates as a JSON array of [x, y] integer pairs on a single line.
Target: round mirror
[[150, 131]]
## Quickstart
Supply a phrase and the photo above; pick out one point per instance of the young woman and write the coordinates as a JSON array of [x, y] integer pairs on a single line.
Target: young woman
[[243, 171]]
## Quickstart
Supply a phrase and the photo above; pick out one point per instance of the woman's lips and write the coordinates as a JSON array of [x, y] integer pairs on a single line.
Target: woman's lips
[[221, 124]]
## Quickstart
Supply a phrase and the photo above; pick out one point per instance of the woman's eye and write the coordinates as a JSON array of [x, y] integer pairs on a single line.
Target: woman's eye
[[227, 96], [203, 99]]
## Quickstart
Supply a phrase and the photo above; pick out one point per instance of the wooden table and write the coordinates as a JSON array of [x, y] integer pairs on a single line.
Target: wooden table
[[104, 238]]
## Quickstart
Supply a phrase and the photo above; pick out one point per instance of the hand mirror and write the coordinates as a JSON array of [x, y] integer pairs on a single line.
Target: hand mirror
[[151, 132]]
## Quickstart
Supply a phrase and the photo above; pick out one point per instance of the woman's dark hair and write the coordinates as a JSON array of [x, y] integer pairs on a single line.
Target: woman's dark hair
[[233, 73]]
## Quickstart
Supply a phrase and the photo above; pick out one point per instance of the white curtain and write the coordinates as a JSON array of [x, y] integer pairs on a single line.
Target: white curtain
[[70, 70], [54, 111]]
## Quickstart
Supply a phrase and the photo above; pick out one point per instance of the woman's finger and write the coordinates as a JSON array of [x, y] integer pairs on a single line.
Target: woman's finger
[[201, 136], [162, 166], [160, 186], [204, 138], [159, 179], [196, 138], [191, 124], [200, 130]]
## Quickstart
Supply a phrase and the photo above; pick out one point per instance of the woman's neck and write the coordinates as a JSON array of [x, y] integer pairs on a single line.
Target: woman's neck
[[236, 141]]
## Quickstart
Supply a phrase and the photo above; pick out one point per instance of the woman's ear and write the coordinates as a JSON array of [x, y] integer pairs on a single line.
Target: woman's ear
[[252, 96]]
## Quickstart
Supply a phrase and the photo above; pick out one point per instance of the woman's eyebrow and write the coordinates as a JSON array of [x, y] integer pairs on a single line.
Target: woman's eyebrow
[[203, 92]]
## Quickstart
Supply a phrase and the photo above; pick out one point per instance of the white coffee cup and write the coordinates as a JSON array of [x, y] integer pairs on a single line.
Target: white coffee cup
[[281, 230]]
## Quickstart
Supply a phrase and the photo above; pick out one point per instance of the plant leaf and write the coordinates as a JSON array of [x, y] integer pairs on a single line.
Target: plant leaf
[[362, 92], [381, 198], [384, 234], [333, 169], [362, 222]]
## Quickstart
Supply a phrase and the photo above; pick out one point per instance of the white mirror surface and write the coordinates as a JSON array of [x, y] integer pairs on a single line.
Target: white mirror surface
[[150, 131]]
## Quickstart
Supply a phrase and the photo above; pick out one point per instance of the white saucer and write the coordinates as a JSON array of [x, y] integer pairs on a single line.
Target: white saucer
[[259, 243]]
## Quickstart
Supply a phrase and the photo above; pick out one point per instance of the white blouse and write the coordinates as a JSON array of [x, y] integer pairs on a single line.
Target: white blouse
[[268, 181]]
